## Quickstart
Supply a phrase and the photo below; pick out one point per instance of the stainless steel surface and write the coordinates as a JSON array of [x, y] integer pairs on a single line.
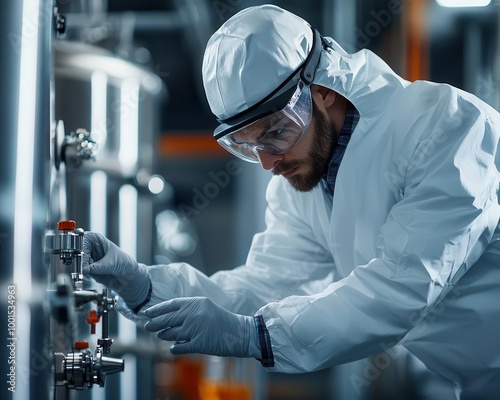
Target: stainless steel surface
[[81, 370], [115, 99], [78, 147], [118, 102], [69, 248], [25, 37], [77, 370]]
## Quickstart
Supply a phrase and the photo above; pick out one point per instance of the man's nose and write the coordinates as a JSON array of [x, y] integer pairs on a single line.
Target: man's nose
[[267, 160]]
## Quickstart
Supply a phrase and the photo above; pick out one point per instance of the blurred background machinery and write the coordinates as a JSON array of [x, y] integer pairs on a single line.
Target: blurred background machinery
[[104, 122]]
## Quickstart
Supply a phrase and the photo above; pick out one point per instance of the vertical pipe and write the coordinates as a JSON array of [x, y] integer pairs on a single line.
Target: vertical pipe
[[105, 321], [496, 64], [473, 49], [10, 26], [340, 22], [40, 360], [415, 34], [127, 334], [25, 34]]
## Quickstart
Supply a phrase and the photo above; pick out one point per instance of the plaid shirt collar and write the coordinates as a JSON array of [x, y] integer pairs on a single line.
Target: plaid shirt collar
[[350, 122]]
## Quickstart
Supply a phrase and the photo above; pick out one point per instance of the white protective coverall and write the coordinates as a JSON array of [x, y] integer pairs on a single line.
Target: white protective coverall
[[407, 252]]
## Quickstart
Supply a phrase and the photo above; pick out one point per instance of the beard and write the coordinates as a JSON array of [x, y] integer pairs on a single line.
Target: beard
[[323, 144]]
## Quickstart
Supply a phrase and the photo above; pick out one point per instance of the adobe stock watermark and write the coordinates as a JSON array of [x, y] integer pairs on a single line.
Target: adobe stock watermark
[[202, 197], [127, 105], [485, 89], [418, 322], [226, 8], [40, 360], [381, 19], [31, 25], [429, 145], [317, 259], [11, 337]]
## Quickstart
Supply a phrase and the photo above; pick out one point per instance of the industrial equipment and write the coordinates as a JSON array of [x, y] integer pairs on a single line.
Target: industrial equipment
[[79, 369]]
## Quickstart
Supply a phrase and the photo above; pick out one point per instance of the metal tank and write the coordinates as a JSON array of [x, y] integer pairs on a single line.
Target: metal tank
[[55, 97], [118, 103], [26, 32], [114, 106]]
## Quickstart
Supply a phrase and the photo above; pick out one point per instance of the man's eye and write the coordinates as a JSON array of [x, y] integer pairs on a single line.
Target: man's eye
[[275, 133], [235, 140]]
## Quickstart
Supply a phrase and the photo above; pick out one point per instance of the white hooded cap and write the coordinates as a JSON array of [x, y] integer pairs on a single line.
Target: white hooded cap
[[250, 55]]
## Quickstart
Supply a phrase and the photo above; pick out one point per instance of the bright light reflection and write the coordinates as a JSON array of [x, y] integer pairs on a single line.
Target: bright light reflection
[[23, 211], [128, 243], [129, 123], [98, 182], [23, 214], [128, 381], [463, 3], [128, 219], [156, 184], [99, 85]]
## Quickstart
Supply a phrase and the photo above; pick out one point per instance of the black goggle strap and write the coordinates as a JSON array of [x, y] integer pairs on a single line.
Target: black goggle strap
[[312, 60]]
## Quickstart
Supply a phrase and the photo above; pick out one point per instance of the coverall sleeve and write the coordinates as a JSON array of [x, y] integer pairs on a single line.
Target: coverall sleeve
[[430, 238], [288, 258]]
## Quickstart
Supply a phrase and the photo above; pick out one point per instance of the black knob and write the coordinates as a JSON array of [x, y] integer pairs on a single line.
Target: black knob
[[60, 24]]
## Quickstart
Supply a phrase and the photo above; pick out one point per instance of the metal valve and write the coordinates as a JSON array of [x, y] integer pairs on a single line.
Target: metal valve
[[104, 305], [78, 146], [60, 21], [69, 245], [81, 370]]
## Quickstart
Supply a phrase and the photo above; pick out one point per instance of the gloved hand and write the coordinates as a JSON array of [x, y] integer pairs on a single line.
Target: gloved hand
[[198, 325], [109, 265]]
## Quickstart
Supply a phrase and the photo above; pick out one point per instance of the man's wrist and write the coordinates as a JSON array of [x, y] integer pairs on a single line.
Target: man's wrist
[[137, 308], [253, 343], [264, 342]]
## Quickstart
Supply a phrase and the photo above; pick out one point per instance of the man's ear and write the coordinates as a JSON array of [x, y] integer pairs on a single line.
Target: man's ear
[[324, 95]]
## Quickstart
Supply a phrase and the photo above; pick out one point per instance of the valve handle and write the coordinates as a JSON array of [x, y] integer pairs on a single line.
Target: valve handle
[[92, 320], [81, 344], [68, 225]]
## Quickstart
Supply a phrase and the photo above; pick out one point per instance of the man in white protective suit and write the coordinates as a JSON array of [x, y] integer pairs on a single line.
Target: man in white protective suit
[[382, 225]]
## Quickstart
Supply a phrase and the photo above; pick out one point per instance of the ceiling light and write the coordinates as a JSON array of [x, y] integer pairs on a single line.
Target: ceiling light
[[463, 3]]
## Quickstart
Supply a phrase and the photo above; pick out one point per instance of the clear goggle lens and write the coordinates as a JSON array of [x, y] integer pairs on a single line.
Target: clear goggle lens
[[275, 133]]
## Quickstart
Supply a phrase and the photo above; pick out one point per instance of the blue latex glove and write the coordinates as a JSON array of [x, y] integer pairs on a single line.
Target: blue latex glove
[[198, 325], [109, 265]]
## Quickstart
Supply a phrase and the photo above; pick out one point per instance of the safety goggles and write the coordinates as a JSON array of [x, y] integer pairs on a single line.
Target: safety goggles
[[278, 121], [275, 133]]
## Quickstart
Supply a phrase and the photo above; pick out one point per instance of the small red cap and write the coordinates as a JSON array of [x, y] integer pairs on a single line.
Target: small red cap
[[92, 318], [81, 344], [68, 225]]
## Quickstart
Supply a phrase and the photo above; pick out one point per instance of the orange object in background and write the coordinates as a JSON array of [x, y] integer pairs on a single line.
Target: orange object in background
[[180, 378], [224, 379], [190, 144], [185, 379], [189, 374], [216, 390], [416, 40]]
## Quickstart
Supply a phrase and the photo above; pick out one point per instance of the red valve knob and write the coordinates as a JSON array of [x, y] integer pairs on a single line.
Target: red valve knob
[[68, 225], [81, 344], [92, 319]]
